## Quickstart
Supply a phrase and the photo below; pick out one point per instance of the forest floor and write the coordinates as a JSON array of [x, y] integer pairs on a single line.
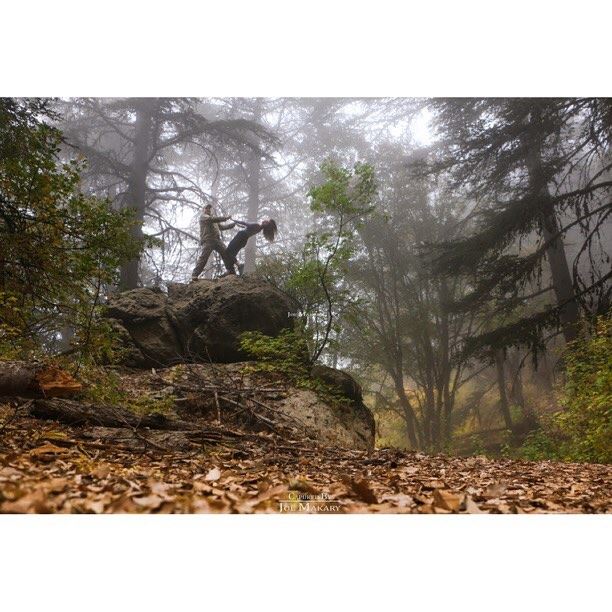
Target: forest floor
[[46, 467]]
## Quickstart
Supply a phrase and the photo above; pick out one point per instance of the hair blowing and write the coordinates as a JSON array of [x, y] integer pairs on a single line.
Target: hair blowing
[[269, 230]]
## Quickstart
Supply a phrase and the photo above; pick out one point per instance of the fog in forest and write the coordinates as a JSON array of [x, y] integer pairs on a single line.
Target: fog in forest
[[442, 251]]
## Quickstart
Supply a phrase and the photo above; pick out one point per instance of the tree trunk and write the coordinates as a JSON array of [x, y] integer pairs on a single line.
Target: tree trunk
[[73, 413], [27, 379], [214, 192], [445, 365], [66, 336], [253, 182], [504, 406], [516, 388], [254, 171], [409, 416], [544, 375], [562, 279], [516, 391], [429, 418], [137, 184]]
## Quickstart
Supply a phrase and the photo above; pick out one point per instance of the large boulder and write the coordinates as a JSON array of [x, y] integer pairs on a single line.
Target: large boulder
[[355, 416], [343, 382], [299, 411], [201, 321]]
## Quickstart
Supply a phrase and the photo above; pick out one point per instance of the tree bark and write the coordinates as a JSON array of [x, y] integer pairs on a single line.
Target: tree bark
[[409, 416], [516, 388], [504, 405], [254, 172], [77, 413], [445, 365], [27, 379], [253, 182], [562, 279], [137, 184]]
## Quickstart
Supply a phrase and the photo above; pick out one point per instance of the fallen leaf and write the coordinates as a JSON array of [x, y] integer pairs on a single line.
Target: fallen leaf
[[57, 485], [161, 489], [151, 502], [102, 471], [401, 501], [362, 489], [97, 507], [434, 484], [34, 502], [472, 507], [494, 491], [9, 472], [213, 474], [447, 500], [47, 452]]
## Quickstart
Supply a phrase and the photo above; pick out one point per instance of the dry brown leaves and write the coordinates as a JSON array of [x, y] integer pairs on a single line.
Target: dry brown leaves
[[55, 382], [45, 467]]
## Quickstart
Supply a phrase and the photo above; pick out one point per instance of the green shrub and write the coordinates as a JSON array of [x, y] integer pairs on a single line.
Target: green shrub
[[287, 354], [104, 386], [60, 249], [541, 444], [587, 418], [583, 430]]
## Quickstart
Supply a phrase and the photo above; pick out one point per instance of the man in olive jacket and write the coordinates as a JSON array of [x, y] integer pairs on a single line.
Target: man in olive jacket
[[210, 240]]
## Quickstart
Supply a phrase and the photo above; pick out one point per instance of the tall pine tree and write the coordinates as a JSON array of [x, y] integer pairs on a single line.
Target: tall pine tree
[[535, 169]]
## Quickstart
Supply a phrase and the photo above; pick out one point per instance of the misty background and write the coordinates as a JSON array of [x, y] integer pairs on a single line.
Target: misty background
[[393, 328]]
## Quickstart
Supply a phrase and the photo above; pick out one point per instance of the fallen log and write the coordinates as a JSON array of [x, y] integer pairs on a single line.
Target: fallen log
[[77, 413], [33, 379], [128, 439]]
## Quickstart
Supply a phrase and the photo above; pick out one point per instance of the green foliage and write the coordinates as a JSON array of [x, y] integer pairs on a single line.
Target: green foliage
[[587, 418], [60, 248], [344, 192], [104, 386], [315, 279], [97, 339], [287, 354], [583, 430], [541, 444]]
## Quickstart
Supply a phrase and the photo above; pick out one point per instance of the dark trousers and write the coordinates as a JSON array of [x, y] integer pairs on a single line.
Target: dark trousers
[[207, 248]]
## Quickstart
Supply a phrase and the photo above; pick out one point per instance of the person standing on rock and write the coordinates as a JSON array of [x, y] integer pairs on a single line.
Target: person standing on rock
[[210, 240]]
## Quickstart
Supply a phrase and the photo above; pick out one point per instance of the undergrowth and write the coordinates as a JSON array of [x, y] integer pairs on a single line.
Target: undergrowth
[[287, 355], [104, 386], [582, 431]]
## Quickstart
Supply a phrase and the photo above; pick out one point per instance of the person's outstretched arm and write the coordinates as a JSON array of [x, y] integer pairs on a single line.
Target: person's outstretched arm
[[228, 226], [218, 219], [241, 223]]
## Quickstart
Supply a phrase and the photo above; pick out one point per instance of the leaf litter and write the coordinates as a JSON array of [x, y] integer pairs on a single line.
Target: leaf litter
[[46, 467]]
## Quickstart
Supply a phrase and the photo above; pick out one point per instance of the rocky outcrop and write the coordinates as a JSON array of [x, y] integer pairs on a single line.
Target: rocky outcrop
[[342, 381], [200, 324], [337, 424], [201, 321], [356, 416], [241, 389]]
